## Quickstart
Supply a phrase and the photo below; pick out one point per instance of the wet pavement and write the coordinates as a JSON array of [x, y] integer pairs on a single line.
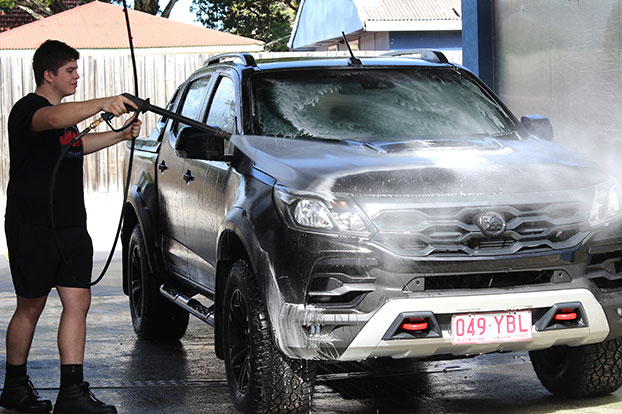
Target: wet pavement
[[186, 377]]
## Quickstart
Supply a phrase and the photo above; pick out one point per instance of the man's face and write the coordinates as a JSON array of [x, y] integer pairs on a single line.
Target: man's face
[[65, 81]]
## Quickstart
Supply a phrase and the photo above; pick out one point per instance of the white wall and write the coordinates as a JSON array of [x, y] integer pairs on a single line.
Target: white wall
[[563, 59]]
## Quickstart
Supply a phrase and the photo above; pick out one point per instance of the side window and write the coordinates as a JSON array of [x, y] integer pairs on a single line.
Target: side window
[[156, 134], [193, 104], [222, 109]]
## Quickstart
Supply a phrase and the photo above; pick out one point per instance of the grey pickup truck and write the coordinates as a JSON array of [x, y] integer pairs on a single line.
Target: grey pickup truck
[[387, 207]]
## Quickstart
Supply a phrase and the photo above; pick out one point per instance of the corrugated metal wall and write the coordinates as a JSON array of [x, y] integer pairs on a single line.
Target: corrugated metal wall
[[563, 59]]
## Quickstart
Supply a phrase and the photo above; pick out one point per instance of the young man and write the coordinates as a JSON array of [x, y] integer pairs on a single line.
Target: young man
[[39, 128]]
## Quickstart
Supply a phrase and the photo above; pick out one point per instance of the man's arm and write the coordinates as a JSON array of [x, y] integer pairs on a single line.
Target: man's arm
[[96, 141], [64, 115]]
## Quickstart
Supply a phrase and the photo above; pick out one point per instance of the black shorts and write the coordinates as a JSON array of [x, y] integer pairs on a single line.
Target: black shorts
[[36, 266]]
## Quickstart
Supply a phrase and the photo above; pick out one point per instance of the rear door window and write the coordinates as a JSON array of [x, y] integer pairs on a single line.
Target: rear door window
[[222, 113], [157, 133], [194, 103]]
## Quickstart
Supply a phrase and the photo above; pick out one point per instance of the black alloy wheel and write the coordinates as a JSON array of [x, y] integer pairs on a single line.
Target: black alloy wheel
[[581, 371], [239, 343], [135, 283], [153, 316], [261, 379]]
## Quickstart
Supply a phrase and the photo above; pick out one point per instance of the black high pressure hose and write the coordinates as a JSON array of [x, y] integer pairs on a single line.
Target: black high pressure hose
[[103, 117]]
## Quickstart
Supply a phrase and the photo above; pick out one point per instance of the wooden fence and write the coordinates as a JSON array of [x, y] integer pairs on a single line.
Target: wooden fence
[[105, 74], [100, 75]]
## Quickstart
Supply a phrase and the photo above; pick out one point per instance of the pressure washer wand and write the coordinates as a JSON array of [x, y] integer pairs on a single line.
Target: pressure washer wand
[[144, 105]]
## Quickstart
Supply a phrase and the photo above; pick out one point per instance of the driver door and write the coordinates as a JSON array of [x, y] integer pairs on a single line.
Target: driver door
[[173, 182]]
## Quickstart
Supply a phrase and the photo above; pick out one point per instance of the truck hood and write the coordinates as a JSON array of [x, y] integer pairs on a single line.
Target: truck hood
[[432, 168]]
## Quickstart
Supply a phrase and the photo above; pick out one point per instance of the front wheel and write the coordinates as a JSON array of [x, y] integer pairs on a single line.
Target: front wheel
[[583, 371], [153, 316], [261, 379]]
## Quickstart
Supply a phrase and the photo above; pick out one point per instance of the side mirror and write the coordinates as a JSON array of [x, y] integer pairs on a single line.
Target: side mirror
[[194, 143], [538, 125]]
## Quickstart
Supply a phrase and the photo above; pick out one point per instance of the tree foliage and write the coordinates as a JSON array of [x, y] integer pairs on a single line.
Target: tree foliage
[[6, 4], [44, 8], [266, 20], [36, 8]]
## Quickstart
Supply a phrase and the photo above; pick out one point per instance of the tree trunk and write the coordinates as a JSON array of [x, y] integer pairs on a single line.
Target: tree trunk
[[168, 9], [147, 6], [58, 6], [34, 9]]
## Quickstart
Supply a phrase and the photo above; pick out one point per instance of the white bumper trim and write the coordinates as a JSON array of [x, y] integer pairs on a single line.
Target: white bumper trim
[[369, 343]]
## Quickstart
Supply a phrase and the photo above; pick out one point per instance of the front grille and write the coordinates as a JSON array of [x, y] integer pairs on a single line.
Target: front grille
[[454, 231], [480, 281]]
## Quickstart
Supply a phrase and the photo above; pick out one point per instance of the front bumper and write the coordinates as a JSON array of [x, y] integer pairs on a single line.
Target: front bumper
[[369, 331], [340, 297], [370, 343]]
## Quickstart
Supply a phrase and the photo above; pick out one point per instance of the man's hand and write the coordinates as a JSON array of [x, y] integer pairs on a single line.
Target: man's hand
[[95, 141], [133, 131], [116, 105]]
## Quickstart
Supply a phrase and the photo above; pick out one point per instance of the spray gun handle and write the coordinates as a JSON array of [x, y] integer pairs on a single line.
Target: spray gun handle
[[106, 116], [142, 105]]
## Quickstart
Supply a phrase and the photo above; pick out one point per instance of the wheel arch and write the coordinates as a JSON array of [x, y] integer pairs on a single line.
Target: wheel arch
[[136, 211], [235, 241]]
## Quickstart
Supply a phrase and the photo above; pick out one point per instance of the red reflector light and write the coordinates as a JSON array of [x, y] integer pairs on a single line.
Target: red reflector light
[[569, 316], [415, 326]]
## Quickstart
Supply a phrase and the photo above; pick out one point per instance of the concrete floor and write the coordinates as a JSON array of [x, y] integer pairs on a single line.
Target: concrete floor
[[185, 377]]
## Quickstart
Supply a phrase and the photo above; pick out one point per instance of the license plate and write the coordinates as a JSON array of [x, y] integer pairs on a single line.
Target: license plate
[[483, 328]]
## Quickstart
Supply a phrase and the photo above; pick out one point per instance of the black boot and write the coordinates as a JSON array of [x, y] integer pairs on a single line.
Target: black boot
[[20, 395], [78, 399]]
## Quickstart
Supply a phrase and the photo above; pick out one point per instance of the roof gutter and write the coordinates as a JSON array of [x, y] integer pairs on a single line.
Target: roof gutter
[[412, 25]]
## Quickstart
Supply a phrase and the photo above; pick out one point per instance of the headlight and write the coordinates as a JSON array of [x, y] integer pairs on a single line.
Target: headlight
[[312, 213], [337, 216], [606, 203]]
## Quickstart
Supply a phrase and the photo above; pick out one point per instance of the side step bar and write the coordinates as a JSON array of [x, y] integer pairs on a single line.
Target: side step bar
[[191, 305]]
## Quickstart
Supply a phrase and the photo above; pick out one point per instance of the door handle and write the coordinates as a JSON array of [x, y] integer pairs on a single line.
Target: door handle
[[188, 177], [162, 167]]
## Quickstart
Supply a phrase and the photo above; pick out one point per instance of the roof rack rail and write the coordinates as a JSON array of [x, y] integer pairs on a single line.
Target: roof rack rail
[[430, 55], [246, 58]]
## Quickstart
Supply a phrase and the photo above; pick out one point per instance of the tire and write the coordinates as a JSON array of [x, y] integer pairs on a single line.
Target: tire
[[584, 371], [261, 379], [153, 316]]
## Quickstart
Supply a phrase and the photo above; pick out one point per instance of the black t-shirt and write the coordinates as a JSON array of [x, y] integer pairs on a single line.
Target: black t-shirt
[[33, 157]]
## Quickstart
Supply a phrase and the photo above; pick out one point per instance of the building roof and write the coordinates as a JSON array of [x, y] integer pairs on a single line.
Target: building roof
[[414, 10], [99, 25], [321, 20], [13, 18], [16, 17]]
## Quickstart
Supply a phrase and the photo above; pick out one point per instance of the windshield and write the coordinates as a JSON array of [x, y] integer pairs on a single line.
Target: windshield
[[373, 105]]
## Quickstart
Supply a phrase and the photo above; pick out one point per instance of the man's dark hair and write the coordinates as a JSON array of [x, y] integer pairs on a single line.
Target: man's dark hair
[[51, 55]]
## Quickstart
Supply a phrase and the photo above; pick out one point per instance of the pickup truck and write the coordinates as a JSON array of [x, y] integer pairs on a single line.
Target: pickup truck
[[387, 207]]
